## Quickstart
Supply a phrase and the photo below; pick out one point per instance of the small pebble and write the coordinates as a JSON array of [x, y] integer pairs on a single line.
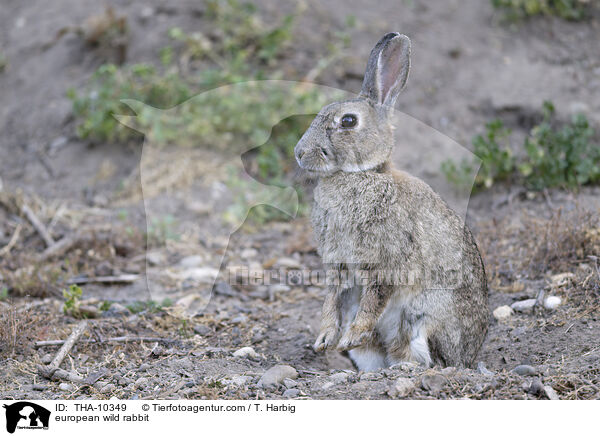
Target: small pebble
[[291, 393], [433, 383], [47, 358], [483, 370], [536, 388], [524, 306], [525, 370], [551, 393], [275, 375], [289, 383], [371, 376], [246, 352], [502, 313], [287, 262], [248, 253], [202, 330], [141, 382], [64, 387], [327, 385], [552, 302], [340, 377], [240, 380], [144, 367], [402, 388], [108, 388], [191, 261]]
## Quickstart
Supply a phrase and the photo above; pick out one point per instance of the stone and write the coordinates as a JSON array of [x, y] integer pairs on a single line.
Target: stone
[[287, 262], [524, 306], [141, 382], [552, 302], [433, 382], [402, 388], [206, 275], [291, 393], [339, 377], [551, 393], [89, 312], [371, 376], [64, 387], [248, 253], [327, 385], [536, 388], [502, 313], [483, 370], [240, 380], [275, 375], [202, 330], [191, 261], [525, 370], [247, 353], [289, 383], [561, 279], [225, 289], [239, 319], [47, 358], [117, 309], [144, 367], [155, 258], [108, 388]]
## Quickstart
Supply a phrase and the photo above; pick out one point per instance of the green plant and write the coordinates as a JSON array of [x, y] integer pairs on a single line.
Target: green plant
[[105, 306], [497, 160], [557, 154], [150, 306], [563, 156], [162, 230], [72, 297], [567, 9], [3, 294], [3, 62]]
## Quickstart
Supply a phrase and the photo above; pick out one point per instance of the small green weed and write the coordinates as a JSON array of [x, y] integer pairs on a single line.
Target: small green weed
[[573, 10], [162, 230], [150, 305], [557, 155], [72, 297]]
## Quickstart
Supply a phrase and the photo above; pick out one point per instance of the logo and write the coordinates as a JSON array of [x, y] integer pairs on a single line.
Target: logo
[[26, 415]]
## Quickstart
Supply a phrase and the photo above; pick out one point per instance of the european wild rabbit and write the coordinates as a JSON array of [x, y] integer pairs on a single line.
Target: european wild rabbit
[[416, 288]]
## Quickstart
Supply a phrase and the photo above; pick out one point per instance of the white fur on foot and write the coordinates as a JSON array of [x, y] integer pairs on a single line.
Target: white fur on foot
[[367, 359]]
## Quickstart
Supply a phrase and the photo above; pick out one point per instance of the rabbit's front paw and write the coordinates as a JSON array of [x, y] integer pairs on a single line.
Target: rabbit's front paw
[[326, 339], [354, 337]]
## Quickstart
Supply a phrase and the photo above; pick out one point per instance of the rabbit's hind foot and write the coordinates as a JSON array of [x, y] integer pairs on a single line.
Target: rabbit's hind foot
[[367, 358]]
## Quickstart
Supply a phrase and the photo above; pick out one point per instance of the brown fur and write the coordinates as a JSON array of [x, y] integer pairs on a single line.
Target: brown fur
[[371, 219]]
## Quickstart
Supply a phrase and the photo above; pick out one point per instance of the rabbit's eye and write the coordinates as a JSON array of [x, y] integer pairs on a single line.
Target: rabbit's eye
[[348, 121]]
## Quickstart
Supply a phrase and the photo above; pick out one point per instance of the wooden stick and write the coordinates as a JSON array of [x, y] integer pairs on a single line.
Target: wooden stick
[[60, 247], [119, 339], [68, 345], [37, 224], [123, 278], [13, 240]]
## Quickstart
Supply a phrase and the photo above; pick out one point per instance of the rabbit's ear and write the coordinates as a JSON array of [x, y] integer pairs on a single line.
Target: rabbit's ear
[[387, 69]]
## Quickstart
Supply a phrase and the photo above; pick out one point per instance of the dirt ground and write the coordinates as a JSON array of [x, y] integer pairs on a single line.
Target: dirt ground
[[466, 69]]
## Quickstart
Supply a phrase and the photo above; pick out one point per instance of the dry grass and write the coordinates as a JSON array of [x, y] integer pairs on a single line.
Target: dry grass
[[532, 247], [17, 328]]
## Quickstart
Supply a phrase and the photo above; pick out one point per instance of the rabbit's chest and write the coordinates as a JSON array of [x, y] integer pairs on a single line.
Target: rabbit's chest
[[350, 218]]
